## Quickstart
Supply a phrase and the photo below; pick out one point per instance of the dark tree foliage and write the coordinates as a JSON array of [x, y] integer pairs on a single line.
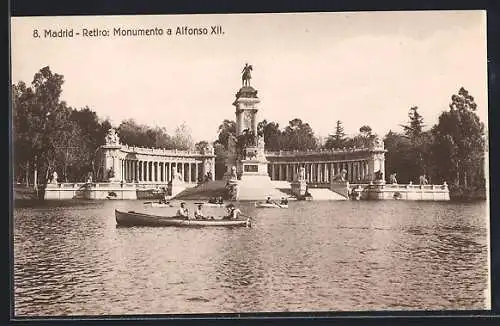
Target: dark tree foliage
[[460, 143], [271, 133], [364, 139], [452, 150], [415, 126], [298, 136], [336, 140], [227, 128]]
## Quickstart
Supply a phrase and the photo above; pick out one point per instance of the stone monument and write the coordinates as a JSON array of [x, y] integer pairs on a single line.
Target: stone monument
[[245, 151], [111, 157], [299, 186], [177, 184]]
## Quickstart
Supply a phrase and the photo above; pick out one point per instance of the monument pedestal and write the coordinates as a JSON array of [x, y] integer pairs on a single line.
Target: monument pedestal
[[232, 189], [245, 158], [175, 187], [299, 188]]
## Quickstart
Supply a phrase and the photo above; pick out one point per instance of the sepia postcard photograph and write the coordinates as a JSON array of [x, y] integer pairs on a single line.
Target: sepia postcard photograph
[[250, 163]]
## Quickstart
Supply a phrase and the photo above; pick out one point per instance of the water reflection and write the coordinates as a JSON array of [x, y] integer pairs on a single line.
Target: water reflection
[[72, 259]]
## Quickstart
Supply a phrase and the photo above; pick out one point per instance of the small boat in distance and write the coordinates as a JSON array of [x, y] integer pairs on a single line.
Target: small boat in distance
[[161, 205], [158, 204], [210, 204], [270, 205], [132, 218]]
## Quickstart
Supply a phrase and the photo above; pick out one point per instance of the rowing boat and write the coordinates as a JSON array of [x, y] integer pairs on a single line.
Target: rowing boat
[[210, 204], [140, 219], [270, 205]]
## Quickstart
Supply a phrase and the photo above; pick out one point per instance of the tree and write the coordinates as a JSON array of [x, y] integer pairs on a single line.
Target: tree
[[460, 144], [399, 156], [182, 139], [40, 121], [364, 139], [336, 140], [228, 127], [414, 127], [420, 142], [133, 134], [298, 136], [201, 145], [271, 133]]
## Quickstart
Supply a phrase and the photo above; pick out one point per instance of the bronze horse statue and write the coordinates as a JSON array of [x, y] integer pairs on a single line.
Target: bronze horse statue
[[246, 74]]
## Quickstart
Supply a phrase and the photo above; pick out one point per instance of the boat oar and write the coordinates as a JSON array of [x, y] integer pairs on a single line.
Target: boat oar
[[148, 202]]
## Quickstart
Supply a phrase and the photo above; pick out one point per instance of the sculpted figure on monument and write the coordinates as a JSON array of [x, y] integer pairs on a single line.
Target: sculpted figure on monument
[[231, 143], [111, 173], [209, 149], [112, 137], [246, 74], [233, 173], [54, 177], [302, 173], [378, 143]]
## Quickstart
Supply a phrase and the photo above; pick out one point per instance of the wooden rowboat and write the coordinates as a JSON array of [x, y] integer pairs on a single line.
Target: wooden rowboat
[[268, 205], [140, 219]]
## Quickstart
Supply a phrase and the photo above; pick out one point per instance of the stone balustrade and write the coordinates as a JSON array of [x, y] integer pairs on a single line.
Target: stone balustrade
[[310, 152], [164, 152]]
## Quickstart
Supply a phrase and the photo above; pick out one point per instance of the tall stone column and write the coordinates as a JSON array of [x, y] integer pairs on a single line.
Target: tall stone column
[[196, 172], [149, 171], [273, 171], [134, 166], [129, 170], [122, 170], [189, 172]]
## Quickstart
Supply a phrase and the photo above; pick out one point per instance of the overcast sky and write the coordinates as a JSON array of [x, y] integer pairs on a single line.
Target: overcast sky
[[360, 68]]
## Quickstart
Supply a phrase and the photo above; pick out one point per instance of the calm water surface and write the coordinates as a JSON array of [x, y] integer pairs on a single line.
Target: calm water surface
[[71, 259]]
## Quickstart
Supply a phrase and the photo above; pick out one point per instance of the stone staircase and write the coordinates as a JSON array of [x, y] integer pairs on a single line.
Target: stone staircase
[[203, 191], [325, 194], [259, 188]]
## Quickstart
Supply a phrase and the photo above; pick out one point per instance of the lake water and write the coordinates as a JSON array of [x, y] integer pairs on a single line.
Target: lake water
[[71, 259]]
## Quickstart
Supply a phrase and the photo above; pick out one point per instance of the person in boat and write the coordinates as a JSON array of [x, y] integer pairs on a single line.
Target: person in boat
[[269, 201], [233, 213], [284, 201], [183, 211], [220, 201], [198, 214]]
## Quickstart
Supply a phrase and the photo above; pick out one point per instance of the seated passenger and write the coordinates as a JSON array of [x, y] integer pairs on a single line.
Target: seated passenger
[[269, 201], [183, 211], [198, 214], [233, 213], [284, 201]]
